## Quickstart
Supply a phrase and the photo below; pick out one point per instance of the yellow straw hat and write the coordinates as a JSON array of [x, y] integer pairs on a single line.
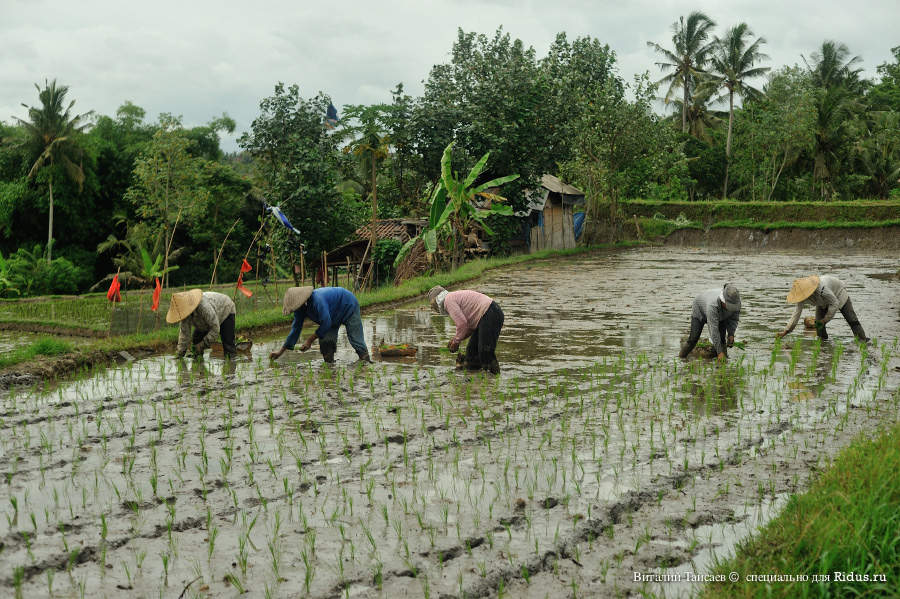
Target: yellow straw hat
[[295, 297], [183, 305], [802, 289]]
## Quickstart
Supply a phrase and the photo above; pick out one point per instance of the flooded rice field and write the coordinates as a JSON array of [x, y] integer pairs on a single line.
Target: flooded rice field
[[595, 454]]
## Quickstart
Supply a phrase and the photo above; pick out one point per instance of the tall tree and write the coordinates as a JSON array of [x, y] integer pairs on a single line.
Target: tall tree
[[688, 58], [835, 74], [733, 63], [53, 131], [298, 163]]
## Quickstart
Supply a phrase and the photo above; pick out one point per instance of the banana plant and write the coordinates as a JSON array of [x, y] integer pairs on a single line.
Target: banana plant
[[152, 269], [6, 279], [452, 209]]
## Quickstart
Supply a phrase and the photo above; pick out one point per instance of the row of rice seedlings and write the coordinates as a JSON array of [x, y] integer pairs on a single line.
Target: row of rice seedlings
[[301, 446]]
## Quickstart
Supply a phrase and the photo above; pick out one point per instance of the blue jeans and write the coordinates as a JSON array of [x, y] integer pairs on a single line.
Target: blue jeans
[[354, 328]]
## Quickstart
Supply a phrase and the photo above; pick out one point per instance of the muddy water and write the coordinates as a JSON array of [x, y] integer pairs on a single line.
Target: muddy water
[[595, 454]]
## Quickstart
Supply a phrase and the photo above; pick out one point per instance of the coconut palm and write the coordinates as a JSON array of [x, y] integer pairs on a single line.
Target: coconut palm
[[52, 132], [732, 63], [688, 58], [832, 66], [836, 74], [701, 118]]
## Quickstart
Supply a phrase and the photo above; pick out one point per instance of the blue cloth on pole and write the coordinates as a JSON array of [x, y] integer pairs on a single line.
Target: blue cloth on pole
[[578, 222], [284, 219]]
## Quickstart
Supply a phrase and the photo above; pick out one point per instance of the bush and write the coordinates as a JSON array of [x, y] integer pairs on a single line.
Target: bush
[[33, 275]]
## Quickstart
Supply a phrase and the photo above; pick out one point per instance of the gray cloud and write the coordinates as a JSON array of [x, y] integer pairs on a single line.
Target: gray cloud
[[202, 58]]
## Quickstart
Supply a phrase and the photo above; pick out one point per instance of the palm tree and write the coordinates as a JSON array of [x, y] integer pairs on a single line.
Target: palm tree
[[700, 117], [732, 64], [836, 74], [687, 60], [832, 66], [52, 133]]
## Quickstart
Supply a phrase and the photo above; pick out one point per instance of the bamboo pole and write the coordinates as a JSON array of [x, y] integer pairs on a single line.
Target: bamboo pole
[[250, 247], [113, 311], [212, 281]]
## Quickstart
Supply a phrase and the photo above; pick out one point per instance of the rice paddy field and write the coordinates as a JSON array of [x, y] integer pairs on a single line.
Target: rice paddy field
[[594, 455]]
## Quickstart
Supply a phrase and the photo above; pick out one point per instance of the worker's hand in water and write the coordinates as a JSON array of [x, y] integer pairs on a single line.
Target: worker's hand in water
[[276, 354], [722, 357], [197, 350], [306, 345], [780, 334], [731, 341], [453, 346]]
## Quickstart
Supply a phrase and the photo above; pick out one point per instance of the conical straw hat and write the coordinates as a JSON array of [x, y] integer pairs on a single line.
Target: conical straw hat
[[183, 305], [295, 297], [802, 289]]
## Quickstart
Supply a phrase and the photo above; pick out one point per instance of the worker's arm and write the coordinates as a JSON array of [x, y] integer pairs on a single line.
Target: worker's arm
[[713, 322], [210, 319], [462, 325], [184, 338], [798, 311], [293, 336], [731, 326], [833, 304]]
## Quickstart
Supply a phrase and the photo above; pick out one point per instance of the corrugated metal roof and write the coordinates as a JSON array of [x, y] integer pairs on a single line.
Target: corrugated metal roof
[[555, 185]]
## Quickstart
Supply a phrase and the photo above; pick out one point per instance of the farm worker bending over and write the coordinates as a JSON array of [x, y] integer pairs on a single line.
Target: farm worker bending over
[[828, 294], [210, 314], [476, 316], [329, 307], [721, 309]]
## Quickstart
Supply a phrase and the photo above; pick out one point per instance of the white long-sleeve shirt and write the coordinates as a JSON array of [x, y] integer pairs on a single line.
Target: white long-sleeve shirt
[[831, 295], [212, 310]]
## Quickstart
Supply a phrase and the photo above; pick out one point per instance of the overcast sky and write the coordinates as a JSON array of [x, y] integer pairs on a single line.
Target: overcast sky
[[199, 59]]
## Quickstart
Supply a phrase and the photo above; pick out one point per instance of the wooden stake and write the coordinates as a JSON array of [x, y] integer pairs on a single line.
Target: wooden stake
[[212, 281]]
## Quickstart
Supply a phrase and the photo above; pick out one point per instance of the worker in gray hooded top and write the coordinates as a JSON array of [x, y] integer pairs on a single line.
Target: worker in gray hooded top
[[828, 294], [721, 309]]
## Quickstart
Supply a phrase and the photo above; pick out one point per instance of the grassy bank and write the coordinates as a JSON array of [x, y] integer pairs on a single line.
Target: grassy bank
[[46, 346], [254, 316], [652, 228], [847, 522], [706, 213]]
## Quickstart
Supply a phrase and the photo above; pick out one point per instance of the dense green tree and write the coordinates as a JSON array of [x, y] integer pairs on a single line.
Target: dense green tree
[[688, 58], [733, 62], [776, 129], [878, 151], [885, 95], [835, 75], [492, 97], [53, 135], [623, 149], [297, 163]]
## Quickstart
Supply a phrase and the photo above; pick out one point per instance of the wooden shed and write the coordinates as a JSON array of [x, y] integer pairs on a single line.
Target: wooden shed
[[551, 212], [355, 253]]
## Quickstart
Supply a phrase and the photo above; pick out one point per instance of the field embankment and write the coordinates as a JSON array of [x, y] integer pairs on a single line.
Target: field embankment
[[789, 236]]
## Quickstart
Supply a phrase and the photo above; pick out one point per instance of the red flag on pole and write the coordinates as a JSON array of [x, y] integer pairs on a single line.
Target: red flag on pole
[[245, 267], [113, 294], [240, 285], [156, 292]]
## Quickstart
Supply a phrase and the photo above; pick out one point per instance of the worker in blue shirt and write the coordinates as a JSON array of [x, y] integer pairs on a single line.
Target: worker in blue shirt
[[329, 307]]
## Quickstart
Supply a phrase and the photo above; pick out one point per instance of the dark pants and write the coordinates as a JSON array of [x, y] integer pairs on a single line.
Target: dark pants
[[697, 325], [226, 333], [354, 328], [480, 352], [849, 316]]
